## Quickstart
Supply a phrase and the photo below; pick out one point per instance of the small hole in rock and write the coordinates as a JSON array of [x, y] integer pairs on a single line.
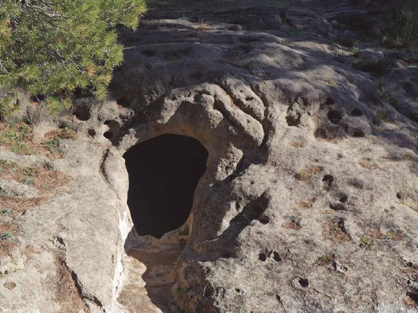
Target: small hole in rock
[[92, 132], [344, 199], [328, 181], [358, 134], [345, 127], [413, 296], [330, 101], [26, 121], [334, 116], [264, 219], [337, 207], [37, 98], [321, 133], [113, 131], [408, 87], [63, 125], [341, 224], [293, 120], [399, 195], [262, 257], [82, 113], [276, 257], [356, 183], [124, 102], [108, 135], [357, 112], [304, 282]]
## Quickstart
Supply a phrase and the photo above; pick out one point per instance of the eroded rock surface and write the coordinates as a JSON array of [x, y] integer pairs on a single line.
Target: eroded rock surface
[[309, 202]]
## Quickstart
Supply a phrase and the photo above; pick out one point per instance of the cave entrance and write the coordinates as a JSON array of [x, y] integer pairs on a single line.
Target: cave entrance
[[163, 175]]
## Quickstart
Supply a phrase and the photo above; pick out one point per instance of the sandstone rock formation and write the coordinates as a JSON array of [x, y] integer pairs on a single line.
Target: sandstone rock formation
[[310, 198]]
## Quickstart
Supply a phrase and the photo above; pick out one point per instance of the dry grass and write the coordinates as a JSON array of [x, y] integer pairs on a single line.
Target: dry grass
[[334, 232], [306, 204], [39, 177], [334, 82], [292, 225], [408, 157], [298, 144], [14, 207], [19, 138], [370, 165], [7, 244], [60, 133], [49, 180], [413, 208], [410, 201], [411, 272], [65, 290], [410, 303], [374, 233], [45, 180], [9, 285], [16, 137], [305, 174], [7, 227], [325, 260], [394, 236], [6, 247]]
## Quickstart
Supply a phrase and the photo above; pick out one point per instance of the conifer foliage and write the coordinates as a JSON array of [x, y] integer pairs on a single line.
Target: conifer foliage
[[54, 47]]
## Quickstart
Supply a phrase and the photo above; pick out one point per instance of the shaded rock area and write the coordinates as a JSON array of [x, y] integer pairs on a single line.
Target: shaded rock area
[[150, 282], [168, 165], [309, 201]]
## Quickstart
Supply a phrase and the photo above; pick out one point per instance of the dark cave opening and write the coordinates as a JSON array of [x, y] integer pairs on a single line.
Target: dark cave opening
[[163, 175]]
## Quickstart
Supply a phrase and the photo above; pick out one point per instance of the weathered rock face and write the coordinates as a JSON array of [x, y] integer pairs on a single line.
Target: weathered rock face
[[308, 204]]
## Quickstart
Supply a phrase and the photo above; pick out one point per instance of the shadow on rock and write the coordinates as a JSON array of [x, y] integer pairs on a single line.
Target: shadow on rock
[[149, 285]]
